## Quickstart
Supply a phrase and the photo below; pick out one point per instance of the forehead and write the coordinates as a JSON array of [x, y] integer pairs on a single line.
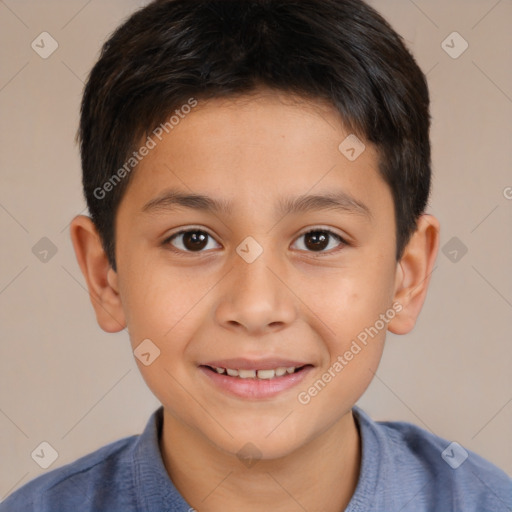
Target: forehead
[[254, 147]]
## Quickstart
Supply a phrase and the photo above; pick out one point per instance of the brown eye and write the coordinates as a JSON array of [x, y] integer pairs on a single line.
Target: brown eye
[[318, 240], [194, 240]]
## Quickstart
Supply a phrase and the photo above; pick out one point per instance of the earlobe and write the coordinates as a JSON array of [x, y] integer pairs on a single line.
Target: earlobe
[[102, 280], [413, 273]]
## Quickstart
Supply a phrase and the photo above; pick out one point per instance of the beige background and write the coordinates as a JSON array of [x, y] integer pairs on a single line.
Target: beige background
[[64, 381]]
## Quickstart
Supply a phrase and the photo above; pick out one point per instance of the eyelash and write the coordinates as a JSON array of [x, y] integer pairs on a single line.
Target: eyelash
[[330, 233]]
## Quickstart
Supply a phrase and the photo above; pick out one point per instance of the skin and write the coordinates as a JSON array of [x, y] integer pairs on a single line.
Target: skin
[[290, 302]]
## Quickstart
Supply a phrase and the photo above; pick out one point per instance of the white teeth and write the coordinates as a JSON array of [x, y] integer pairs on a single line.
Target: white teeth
[[247, 374], [260, 374], [266, 374]]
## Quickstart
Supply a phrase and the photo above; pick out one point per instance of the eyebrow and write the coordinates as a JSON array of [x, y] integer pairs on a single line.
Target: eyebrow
[[339, 200]]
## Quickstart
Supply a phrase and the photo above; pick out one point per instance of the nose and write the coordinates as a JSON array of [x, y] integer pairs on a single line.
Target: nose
[[255, 298]]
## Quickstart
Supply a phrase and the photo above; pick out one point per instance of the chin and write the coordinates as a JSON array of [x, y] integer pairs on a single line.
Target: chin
[[261, 442]]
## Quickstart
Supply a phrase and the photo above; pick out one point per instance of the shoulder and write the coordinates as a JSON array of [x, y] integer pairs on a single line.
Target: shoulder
[[432, 466], [76, 484]]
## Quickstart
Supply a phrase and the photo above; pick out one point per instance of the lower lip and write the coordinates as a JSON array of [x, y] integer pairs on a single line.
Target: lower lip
[[255, 388]]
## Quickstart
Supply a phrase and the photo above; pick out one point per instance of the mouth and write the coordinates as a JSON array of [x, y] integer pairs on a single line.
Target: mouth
[[255, 380], [261, 374]]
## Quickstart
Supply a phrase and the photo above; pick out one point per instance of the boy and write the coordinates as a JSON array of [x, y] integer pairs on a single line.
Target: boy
[[257, 173]]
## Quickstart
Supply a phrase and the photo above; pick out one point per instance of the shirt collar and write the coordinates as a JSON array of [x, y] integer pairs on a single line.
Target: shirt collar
[[155, 490]]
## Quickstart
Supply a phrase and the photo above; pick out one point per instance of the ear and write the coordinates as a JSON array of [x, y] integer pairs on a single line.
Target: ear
[[100, 277], [413, 273]]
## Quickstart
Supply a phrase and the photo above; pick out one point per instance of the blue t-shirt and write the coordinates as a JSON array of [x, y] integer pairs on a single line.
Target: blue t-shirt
[[404, 468]]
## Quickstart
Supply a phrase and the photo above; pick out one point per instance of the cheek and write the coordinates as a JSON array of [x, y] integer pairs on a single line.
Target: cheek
[[353, 303], [357, 310], [155, 302], [162, 311], [167, 309], [359, 321]]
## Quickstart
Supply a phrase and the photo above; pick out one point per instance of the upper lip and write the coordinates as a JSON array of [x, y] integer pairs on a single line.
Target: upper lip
[[254, 364]]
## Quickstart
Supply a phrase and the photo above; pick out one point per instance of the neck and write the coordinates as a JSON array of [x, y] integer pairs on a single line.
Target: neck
[[319, 476]]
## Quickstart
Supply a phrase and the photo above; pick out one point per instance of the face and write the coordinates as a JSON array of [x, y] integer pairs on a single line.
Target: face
[[254, 275]]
